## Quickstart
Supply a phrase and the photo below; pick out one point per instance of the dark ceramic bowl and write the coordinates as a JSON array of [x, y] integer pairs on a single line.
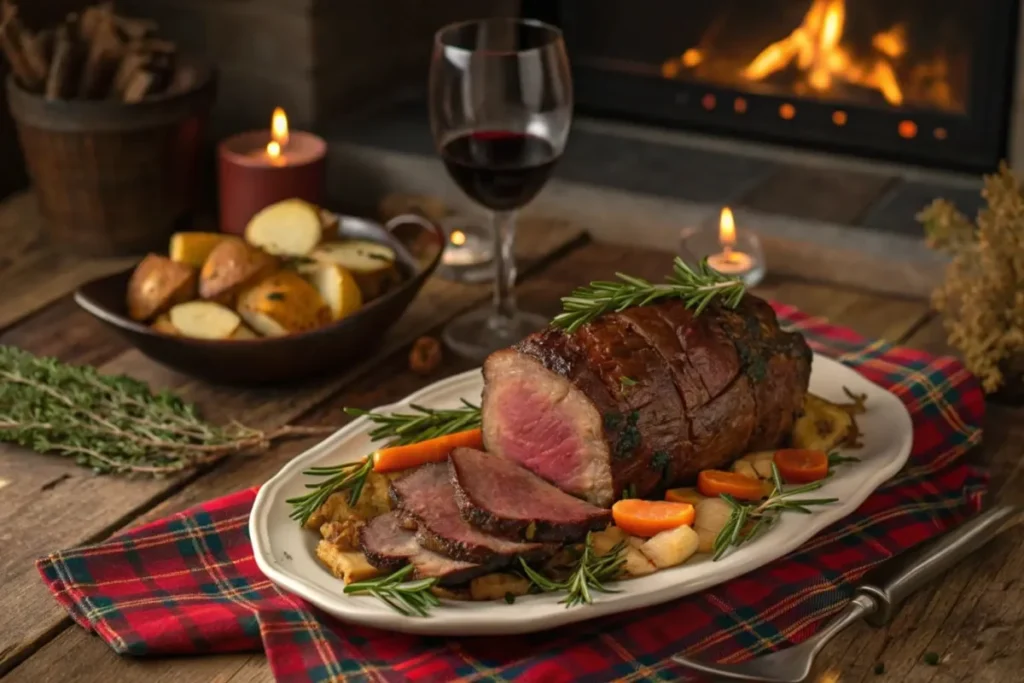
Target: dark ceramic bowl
[[321, 352]]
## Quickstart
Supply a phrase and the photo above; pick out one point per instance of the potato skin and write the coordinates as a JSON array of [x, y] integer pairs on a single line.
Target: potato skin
[[231, 267], [157, 284], [285, 300]]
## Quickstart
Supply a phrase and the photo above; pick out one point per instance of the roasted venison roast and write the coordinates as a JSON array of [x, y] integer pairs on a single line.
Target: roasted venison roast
[[645, 398]]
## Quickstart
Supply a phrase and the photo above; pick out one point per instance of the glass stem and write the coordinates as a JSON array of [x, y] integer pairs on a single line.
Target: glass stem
[[504, 223]]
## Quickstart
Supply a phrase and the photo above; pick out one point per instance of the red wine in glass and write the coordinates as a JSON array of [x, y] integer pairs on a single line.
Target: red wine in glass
[[502, 170]]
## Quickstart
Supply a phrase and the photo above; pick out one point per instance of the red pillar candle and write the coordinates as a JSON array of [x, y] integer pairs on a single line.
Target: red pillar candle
[[259, 168]]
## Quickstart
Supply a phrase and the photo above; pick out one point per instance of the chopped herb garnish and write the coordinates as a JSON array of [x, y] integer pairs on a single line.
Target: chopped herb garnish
[[660, 460], [612, 421], [627, 381], [276, 296], [510, 598], [629, 437], [628, 491]]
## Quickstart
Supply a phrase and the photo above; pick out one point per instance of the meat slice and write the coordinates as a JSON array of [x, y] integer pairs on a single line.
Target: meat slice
[[427, 497], [389, 546], [645, 398], [501, 497]]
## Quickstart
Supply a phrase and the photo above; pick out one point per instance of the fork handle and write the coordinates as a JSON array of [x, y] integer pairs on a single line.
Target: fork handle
[[920, 568]]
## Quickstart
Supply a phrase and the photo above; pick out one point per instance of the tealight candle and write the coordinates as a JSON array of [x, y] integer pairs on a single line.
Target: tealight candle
[[260, 168], [469, 251], [728, 250]]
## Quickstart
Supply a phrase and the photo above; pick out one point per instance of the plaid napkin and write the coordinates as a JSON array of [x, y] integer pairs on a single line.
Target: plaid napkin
[[189, 584]]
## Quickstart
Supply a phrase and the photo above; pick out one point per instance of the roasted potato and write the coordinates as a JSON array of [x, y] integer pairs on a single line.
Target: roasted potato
[[636, 564], [292, 227], [157, 284], [346, 565], [231, 267], [337, 288], [205, 320], [712, 514], [282, 304], [757, 465], [194, 248], [497, 586], [670, 548], [823, 426], [371, 264]]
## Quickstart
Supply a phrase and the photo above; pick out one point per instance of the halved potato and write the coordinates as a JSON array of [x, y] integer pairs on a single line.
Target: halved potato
[[671, 547], [283, 303], [290, 228], [205, 320], [338, 288], [194, 248], [371, 264], [244, 332], [163, 324], [232, 266], [157, 284]]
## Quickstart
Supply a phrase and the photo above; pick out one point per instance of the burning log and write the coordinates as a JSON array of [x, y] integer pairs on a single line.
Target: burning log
[[95, 55]]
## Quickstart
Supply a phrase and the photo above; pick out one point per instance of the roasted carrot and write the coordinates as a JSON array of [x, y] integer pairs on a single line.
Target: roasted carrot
[[684, 495], [717, 482], [801, 466], [398, 458], [648, 517]]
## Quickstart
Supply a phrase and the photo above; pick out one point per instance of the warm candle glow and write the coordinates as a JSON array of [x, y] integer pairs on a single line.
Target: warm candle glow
[[279, 127], [458, 238], [273, 150], [729, 261], [727, 230]]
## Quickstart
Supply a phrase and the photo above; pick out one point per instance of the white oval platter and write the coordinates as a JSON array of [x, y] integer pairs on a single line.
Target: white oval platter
[[285, 553]]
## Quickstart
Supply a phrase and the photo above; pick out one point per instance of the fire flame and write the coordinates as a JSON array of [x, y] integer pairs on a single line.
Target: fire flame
[[726, 232], [278, 134], [815, 48], [458, 238]]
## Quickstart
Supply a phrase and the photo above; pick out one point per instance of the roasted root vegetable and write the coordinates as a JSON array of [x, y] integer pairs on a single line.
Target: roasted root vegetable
[[338, 288], [204, 320], [801, 466], [292, 227], [637, 564], [193, 248], [372, 501], [283, 303], [231, 267], [716, 482], [397, 458], [348, 566], [684, 495], [344, 534], [710, 517], [672, 547], [157, 284], [498, 586], [649, 517], [823, 426], [371, 264], [163, 324]]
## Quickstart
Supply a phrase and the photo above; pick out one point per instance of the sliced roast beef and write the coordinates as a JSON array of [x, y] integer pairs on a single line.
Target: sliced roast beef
[[389, 546], [645, 398], [499, 496], [427, 497]]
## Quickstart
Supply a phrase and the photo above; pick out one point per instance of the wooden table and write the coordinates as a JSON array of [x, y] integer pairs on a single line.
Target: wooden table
[[972, 618]]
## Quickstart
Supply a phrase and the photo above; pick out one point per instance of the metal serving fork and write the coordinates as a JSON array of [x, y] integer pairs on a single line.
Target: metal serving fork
[[876, 604]]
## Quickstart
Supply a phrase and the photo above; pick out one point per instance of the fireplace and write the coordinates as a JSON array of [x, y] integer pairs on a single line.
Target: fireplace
[[922, 81]]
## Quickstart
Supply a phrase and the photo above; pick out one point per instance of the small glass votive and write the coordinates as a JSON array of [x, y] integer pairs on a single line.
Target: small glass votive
[[469, 251], [740, 256]]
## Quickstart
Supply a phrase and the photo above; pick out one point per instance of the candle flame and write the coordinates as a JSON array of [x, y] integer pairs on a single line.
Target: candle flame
[[726, 228], [458, 238], [273, 150], [279, 127]]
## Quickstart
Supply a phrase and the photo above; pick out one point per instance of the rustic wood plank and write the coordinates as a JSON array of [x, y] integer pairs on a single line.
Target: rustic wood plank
[[390, 382], [51, 489], [821, 194], [32, 272], [66, 331]]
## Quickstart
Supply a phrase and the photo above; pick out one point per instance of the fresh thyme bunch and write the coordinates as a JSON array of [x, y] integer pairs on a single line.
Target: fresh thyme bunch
[[113, 423]]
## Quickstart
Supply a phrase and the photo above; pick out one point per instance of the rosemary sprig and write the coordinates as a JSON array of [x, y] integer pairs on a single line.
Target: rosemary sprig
[[591, 573], [697, 287], [113, 423], [749, 520], [408, 598], [399, 429]]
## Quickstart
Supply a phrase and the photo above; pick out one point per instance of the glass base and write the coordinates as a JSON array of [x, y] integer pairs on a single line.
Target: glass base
[[479, 333]]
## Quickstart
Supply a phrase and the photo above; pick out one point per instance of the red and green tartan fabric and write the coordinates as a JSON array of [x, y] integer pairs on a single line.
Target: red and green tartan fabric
[[188, 584]]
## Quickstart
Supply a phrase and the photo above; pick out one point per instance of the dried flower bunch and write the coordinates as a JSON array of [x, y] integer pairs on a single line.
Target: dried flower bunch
[[982, 297]]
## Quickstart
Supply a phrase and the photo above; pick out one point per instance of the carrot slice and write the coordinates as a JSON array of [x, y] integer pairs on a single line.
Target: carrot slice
[[648, 517], [398, 458], [801, 466], [717, 482], [684, 495]]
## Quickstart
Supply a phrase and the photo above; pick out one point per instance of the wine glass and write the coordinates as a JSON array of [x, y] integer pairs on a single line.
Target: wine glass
[[500, 111]]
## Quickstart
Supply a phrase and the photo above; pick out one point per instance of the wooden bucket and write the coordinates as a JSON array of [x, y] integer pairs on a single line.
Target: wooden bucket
[[112, 178]]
